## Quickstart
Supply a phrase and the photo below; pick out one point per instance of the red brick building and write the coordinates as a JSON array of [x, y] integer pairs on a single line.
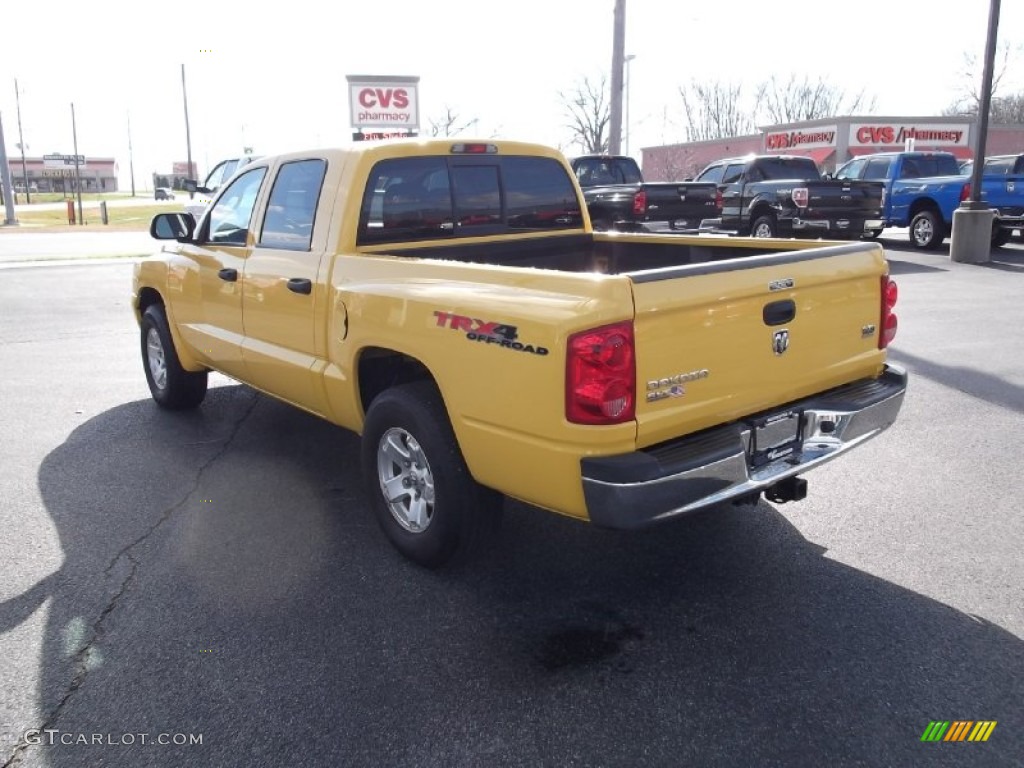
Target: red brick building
[[97, 174], [833, 141]]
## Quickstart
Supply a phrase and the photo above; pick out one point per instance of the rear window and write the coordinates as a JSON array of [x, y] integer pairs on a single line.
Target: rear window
[[597, 171], [427, 198], [776, 168]]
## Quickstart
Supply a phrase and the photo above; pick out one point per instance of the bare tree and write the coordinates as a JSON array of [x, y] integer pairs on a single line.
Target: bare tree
[[968, 101], [450, 124], [714, 111], [587, 110], [803, 99], [1008, 109]]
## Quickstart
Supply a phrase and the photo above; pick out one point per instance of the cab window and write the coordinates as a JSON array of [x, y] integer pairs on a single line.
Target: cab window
[[291, 210], [712, 174], [877, 169], [851, 170], [732, 173], [230, 216]]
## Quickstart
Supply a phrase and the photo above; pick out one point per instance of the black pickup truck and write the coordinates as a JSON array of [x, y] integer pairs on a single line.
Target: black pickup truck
[[785, 196], [618, 198]]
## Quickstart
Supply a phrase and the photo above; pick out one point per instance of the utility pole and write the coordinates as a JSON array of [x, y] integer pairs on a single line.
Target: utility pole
[[188, 134], [5, 180], [618, 56], [131, 160], [21, 142], [78, 178], [971, 236], [629, 79]]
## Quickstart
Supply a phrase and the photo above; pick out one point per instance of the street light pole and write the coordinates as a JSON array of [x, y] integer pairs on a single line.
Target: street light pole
[[618, 49], [131, 160], [21, 141], [188, 134], [628, 59], [78, 178]]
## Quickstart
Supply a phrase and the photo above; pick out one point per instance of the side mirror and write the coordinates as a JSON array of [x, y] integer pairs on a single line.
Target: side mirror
[[172, 226]]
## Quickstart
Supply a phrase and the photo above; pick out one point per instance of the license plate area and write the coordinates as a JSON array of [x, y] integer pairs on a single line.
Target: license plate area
[[775, 437]]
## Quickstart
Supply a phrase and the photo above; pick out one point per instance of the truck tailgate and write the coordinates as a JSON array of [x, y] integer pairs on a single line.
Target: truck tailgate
[[840, 199], [688, 202], [719, 341]]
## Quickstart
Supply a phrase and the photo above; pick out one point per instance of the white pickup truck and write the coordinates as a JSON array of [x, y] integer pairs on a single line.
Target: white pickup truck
[[224, 170]]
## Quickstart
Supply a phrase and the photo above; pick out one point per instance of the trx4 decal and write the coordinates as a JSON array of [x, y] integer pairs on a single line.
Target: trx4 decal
[[505, 336]]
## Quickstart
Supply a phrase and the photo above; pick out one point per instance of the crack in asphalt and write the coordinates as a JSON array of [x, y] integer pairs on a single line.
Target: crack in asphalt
[[81, 659]]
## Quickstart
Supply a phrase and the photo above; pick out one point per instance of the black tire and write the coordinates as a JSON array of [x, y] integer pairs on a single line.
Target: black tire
[[764, 226], [172, 386], [600, 225], [462, 517], [871, 234], [1000, 236], [927, 230]]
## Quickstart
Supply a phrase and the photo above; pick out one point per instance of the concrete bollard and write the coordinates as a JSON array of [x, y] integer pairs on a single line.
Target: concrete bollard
[[971, 240]]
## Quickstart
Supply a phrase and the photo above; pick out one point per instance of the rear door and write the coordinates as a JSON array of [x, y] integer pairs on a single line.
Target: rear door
[[284, 296], [719, 341]]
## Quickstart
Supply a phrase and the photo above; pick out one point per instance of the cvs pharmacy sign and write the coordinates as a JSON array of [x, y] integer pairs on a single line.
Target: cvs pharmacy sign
[[383, 102]]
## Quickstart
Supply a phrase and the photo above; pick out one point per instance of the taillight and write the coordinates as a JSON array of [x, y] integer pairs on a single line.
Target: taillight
[[801, 197], [600, 376], [889, 322], [965, 192], [640, 203], [718, 199]]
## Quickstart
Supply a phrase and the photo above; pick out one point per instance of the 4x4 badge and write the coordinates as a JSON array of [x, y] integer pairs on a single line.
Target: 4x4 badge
[[780, 341]]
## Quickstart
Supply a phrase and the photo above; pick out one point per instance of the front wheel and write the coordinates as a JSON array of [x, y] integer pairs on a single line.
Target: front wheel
[[764, 226], [171, 386], [424, 498], [927, 230]]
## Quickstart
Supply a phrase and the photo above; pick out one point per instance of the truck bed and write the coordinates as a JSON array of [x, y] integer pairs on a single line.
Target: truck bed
[[614, 254]]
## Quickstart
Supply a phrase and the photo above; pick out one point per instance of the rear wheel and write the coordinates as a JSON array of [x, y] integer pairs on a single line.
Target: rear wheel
[[171, 386], [927, 230], [1000, 236], [424, 498], [764, 226]]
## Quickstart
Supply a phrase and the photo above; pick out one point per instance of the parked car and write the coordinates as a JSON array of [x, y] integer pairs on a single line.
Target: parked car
[[215, 179], [923, 189], [785, 196], [618, 197], [483, 340], [163, 193]]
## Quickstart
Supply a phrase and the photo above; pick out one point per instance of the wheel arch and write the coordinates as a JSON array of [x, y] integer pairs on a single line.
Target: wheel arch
[[380, 368]]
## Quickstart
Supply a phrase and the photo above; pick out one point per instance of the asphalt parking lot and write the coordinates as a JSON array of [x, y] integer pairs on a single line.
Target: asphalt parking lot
[[217, 575]]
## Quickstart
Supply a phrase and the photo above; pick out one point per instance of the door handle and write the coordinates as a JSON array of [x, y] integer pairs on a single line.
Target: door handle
[[779, 312], [300, 285], [230, 275]]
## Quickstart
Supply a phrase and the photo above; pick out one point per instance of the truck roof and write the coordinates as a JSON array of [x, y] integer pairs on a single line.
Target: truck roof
[[401, 147]]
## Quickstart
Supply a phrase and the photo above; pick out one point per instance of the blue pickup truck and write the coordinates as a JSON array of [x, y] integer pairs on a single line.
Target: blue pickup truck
[[922, 189]]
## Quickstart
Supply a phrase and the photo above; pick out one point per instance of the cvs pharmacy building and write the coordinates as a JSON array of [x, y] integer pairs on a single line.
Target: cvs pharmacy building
[[833, 141]]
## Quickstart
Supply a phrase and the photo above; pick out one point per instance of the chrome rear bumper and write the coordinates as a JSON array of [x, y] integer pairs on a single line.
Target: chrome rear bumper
[[636, 490]]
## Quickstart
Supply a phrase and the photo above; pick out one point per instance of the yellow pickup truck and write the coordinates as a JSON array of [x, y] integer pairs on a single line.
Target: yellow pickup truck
[[450, 302]]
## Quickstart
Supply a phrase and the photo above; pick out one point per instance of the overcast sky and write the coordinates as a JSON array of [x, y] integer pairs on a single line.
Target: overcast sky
[[275, 80]]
